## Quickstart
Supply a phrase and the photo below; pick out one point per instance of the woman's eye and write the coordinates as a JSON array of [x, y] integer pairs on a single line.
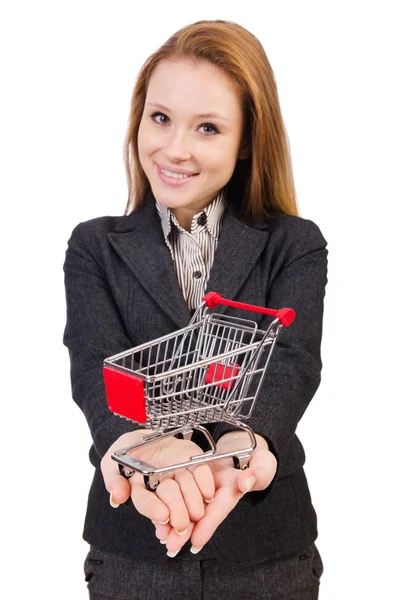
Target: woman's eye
[[209, 126], [159, 114], [162, 119]]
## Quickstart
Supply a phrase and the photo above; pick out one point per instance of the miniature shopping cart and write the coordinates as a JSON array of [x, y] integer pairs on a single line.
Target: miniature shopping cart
[[208, 372]]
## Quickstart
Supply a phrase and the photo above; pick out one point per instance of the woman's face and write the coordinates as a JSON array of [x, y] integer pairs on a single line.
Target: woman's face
[[192, 124]]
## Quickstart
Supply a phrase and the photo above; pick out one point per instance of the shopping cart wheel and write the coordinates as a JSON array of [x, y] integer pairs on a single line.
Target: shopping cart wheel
[[125, 471], [151, 482], [241, 462]]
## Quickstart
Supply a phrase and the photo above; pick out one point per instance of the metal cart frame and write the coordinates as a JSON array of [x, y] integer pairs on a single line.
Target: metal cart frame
[[210, 371]]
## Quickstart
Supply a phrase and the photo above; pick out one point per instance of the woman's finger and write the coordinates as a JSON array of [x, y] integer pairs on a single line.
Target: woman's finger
[[147, 503], [162, 530], [224, 501], [190, 493], [205, 481], [175, 541], [118, 487], [170, 494], [120, 491], [259, 475]]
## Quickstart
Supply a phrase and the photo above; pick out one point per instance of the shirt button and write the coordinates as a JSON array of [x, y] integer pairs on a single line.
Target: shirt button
[[202, 219], [197, 274]]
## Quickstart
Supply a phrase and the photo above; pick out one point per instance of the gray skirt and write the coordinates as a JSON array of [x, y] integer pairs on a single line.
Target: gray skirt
[[111, 577]]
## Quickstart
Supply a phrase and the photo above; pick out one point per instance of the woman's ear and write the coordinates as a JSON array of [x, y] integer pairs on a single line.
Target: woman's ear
[[245, 150]]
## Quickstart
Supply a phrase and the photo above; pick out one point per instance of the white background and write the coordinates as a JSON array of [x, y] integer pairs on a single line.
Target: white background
[[67, 73]]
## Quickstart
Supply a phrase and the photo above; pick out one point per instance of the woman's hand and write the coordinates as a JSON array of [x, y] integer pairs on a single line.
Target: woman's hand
[[179, 497], [230, 485]]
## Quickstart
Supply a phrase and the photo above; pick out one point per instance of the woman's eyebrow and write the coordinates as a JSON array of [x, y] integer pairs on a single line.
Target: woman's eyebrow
[[201, 116]]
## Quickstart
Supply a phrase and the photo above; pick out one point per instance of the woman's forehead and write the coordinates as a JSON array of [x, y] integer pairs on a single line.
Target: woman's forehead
[[207, 88]]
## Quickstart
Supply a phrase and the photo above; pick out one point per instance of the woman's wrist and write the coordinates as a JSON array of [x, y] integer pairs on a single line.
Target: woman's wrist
[[231, 436]]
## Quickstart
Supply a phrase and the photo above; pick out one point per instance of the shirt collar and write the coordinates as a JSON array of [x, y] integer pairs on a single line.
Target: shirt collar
[[213, 212]]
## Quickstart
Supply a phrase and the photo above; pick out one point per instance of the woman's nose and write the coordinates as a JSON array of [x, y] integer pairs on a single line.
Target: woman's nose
[[178, 147]]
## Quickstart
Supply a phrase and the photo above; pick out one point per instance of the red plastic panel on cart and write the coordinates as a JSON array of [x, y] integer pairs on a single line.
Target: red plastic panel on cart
[[216, 372], [125, 394]]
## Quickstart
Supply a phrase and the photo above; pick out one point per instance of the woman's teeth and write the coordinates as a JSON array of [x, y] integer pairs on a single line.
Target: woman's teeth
[[175, 175]]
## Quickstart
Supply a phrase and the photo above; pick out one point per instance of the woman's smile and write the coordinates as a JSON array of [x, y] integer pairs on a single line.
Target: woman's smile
[[174, 178]]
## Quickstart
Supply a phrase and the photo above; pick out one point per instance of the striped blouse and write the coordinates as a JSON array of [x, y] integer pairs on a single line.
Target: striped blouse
[[193, 251]]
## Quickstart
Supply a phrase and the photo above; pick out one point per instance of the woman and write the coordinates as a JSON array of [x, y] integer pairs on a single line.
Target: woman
[[211, 207]]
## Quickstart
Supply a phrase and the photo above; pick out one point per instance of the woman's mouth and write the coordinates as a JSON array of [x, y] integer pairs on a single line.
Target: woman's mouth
[[174, 179]]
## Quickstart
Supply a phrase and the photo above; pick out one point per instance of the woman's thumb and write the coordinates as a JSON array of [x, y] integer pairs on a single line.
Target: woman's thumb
[[120, 491], [246, 481]]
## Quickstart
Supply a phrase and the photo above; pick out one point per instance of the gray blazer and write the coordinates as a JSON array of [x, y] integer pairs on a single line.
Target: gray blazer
[[122, 290]]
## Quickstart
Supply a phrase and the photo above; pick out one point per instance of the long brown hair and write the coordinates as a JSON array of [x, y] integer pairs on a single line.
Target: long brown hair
[[261, 185]]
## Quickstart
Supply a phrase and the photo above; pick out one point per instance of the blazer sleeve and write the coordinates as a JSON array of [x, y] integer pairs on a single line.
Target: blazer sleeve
[[94, 330], [293, 374]]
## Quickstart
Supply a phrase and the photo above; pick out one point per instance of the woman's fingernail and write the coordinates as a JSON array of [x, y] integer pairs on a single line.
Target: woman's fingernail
[[163, 541], [210, 500], [181, 532], [113, 504], [172, 554], [164, 522], [251, 481], [195, 550]]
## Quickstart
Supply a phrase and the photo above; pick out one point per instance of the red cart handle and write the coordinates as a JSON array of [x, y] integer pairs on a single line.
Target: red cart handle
[[285, 315]]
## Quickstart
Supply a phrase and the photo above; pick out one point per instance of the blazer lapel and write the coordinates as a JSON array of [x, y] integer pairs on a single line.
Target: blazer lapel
[[139, 241], [239, 247]]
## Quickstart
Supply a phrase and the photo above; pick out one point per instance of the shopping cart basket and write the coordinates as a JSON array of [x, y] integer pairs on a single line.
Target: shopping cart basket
[[208, 372]]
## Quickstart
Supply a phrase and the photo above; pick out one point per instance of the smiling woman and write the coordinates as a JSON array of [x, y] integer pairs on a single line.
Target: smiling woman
[[186, 165], [211, 206], [212, 51]]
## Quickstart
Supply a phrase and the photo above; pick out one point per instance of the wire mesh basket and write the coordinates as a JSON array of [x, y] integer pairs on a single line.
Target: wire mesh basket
[[210, 371]]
